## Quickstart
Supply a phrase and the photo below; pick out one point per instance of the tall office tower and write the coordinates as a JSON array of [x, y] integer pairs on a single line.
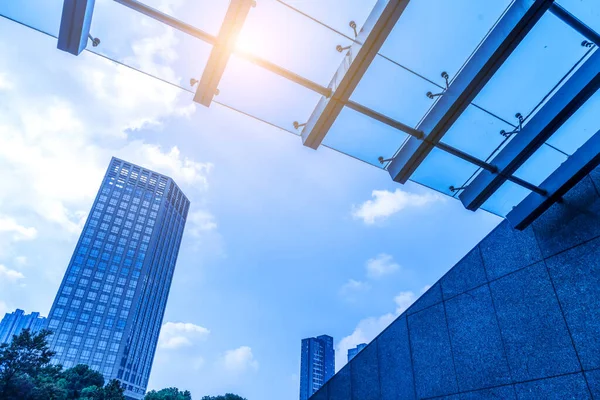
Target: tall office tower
[[354, 351], [317, 364], [13, 323], [110, 305]]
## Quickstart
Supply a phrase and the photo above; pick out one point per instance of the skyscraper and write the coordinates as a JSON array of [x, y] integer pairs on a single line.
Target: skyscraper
[[13, 323], [317, 364], [354, 351], [110, 305]]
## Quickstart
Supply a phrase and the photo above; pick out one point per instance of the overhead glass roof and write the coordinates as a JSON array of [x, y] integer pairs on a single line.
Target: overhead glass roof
[[381, 74]]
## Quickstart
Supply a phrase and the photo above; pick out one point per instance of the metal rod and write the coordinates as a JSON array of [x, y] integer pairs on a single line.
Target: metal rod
[[385, 119], [168, 20], [465, 156], [575, 23], [284, 73]]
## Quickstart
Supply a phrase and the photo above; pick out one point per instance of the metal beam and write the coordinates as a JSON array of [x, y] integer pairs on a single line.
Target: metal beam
[[75, 25], [576, 90], [375, 31], [575, 23], [219, 56], [510, 30], [575, 168]]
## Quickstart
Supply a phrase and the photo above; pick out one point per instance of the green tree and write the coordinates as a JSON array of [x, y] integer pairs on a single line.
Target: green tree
[[228, 396], [168, 394], [26, 374], [75, 379], [25, 370]]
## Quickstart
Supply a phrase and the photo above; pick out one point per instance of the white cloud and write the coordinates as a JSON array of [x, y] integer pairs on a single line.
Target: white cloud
[[21, 260], [381, 265], [201, 221], [5, 84], [198, 362], [174, 335], [355, 286], [404, 300], [368, 328], [385, 204], [10, 275], [19, 232], [365, 331], [3, 309], [70, 124], [239, 360]]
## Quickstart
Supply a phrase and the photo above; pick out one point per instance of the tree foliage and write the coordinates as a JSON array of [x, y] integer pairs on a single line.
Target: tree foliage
[[227, 396], [26, 374], [168, 394]]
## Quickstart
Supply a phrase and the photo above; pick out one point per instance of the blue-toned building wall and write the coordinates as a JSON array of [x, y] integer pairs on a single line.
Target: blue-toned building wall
[[517, 318], [355, 350], [109, 308], [13, 323], [317, 364]]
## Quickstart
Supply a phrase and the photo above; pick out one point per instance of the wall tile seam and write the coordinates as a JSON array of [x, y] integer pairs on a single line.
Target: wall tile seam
[[562, 313], [412, 361], [502, 341], [596, 188], [378, 368], [407, 312], [451, 347], [508, 384], [584, 242], [455, 265]]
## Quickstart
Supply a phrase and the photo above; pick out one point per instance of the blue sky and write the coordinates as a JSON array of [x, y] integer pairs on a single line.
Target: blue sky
[[282, 242]]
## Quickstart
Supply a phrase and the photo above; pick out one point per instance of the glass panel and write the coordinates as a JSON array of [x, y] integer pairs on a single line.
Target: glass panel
[[362, 137], [147, 44], [588, 11], [40, 14], [477, 133], [336, 13], [535, 67], [394, 92], [279, 34], [579, 128], [540, 165], [439, 35], [265, 95], [505, 198], [441, 170], [207, 15]]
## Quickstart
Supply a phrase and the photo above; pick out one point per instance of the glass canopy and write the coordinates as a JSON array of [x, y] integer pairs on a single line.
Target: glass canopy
[[368, 82]]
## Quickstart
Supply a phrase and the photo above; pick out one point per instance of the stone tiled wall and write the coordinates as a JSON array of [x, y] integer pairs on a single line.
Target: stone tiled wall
[[517, 318]]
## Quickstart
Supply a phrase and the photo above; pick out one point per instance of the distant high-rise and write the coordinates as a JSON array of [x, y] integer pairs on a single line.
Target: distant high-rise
[[354, 351], [317, 364], [13, 323], [110, 305]]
